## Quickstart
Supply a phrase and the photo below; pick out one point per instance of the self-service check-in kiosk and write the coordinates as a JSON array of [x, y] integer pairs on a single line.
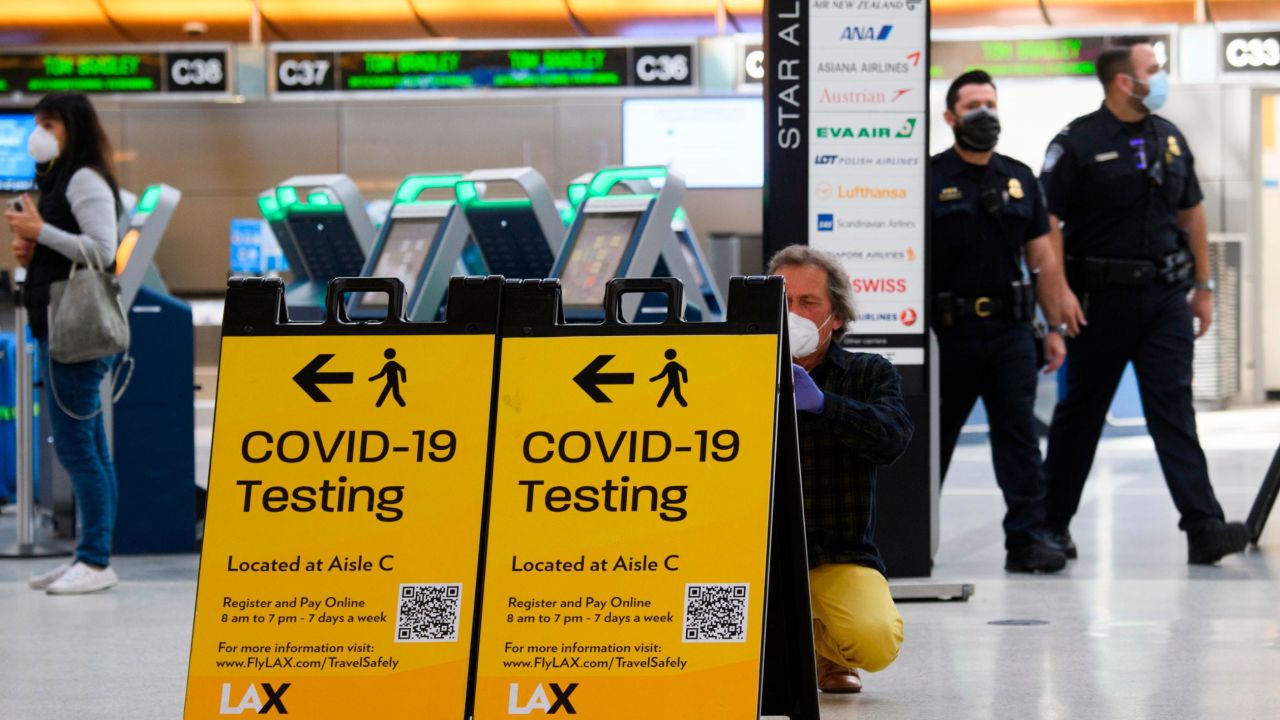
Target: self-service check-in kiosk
[[326, 222], [639, 183], [151, 425], [423, 243], [626, 236], [517, 237], [275, 218]]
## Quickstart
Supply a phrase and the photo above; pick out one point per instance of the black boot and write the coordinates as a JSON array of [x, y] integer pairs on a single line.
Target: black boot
[[1061, 539], [1211, 541], [1036, 557]]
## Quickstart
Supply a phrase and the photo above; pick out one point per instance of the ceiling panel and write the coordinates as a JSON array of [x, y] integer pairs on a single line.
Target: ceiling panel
[[342, 19], [55, 21], [511, 18], [654, 18], [1231, 10], [985, 13], [1094, 12]]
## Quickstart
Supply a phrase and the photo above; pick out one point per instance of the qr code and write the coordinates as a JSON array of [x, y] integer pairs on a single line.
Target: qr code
[[428, 613], [715, 612]]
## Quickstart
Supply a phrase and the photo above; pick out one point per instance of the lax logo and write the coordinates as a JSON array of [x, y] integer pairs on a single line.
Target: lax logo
[[252, 701], [539, 701]]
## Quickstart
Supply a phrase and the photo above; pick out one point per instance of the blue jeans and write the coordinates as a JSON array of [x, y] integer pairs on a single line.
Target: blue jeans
[[83, 449]]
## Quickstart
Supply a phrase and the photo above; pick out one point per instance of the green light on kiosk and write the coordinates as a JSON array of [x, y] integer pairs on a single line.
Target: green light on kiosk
[[414, 185], [270, 208], [604, 180], [150, 199], [577, 193], [567, 214], [319, 198], [287, 196]]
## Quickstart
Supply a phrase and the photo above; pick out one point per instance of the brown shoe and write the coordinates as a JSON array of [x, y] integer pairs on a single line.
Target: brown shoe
[[834, 678]]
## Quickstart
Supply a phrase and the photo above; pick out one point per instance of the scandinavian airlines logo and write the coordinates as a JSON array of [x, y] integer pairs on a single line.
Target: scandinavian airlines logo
[[866, 33], [252, 701], [826, 222], [539, 700]]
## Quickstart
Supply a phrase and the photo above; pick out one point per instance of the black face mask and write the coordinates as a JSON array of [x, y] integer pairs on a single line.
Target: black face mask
[[978, 130]]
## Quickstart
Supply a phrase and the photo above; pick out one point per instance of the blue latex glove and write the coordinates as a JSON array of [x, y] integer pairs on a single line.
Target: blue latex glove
[[809, 397]]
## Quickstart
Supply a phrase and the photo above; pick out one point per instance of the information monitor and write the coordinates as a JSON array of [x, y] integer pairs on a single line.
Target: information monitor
[[17, 169], [600, 250]]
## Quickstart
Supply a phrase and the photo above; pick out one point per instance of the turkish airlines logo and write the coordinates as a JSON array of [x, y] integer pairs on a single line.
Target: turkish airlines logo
[[909, 317]]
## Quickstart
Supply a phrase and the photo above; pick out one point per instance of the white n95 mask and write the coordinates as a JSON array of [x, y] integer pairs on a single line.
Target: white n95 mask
[[42, 145], [805, 336]]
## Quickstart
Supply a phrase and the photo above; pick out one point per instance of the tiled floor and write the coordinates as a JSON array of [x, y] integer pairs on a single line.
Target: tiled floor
[[1131, 631]]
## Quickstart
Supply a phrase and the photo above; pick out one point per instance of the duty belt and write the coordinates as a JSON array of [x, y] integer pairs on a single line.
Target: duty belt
[[1097, 273], [1018, 304]]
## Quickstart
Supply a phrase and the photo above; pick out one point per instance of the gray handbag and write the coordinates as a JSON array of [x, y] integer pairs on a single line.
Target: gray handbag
[[86, 314]]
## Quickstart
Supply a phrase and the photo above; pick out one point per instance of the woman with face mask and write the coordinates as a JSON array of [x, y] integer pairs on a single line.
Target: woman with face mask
[[74, 218]]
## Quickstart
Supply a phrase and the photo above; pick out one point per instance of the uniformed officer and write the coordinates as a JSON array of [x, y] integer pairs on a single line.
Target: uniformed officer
[[988, 213], [1122, 182]]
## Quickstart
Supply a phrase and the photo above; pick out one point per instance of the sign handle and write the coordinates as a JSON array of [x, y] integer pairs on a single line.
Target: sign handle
[[618, 287], [336, 306]]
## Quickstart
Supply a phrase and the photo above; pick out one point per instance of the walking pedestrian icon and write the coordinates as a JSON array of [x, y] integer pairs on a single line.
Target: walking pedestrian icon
[[675, 374], [394, 374]]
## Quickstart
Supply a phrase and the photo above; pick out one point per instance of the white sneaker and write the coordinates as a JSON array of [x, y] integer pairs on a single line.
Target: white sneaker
[[45, 579], [82, 579]]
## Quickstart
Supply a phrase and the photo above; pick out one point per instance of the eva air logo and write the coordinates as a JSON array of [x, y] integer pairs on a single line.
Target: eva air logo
[[908, 129]]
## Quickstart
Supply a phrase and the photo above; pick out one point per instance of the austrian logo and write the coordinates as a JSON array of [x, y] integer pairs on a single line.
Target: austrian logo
[[860, 97]]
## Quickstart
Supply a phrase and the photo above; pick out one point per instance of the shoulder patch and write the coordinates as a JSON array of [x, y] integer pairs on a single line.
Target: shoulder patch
[[1051, 157]]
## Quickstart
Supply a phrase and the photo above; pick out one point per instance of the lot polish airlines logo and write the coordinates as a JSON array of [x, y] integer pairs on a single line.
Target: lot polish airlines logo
[[251, 701], [538, 700]]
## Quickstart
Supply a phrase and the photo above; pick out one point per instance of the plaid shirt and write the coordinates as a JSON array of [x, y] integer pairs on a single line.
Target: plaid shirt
[[863, 424]]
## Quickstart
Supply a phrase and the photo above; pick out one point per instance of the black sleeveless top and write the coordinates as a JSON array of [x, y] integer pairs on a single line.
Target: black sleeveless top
[[48, 265]]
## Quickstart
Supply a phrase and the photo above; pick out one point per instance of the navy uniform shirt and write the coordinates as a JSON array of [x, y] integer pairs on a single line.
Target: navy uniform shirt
[[1118, 187], [983, 215]]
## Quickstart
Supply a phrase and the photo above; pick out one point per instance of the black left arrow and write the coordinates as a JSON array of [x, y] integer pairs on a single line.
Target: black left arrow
[[310, 378], [590, 378]]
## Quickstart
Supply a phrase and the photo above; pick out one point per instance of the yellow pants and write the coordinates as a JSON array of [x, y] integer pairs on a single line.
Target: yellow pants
[[855, 622]]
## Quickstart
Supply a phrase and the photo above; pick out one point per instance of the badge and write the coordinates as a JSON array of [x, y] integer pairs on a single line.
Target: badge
[[1051, 157], [1174, 149], [1015, 189], [949, 194]]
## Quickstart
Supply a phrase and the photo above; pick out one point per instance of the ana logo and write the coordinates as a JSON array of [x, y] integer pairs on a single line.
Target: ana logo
[[866, 33], [826, 222], [825, 160], [252, 701], [879, 285], [909, 317], [908, 129], [538, 700]]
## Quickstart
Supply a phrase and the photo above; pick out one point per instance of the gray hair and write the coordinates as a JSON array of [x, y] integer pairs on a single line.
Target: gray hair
[[838, 285]]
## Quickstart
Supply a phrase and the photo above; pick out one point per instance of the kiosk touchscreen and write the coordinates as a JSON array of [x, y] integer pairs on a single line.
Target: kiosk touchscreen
[[326, 219], [517, 237], [627, 236], [418, 230], [137, 248]]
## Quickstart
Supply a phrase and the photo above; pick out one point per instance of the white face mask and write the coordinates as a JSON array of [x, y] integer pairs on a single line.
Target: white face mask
[[42, 145], [805, 336]]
